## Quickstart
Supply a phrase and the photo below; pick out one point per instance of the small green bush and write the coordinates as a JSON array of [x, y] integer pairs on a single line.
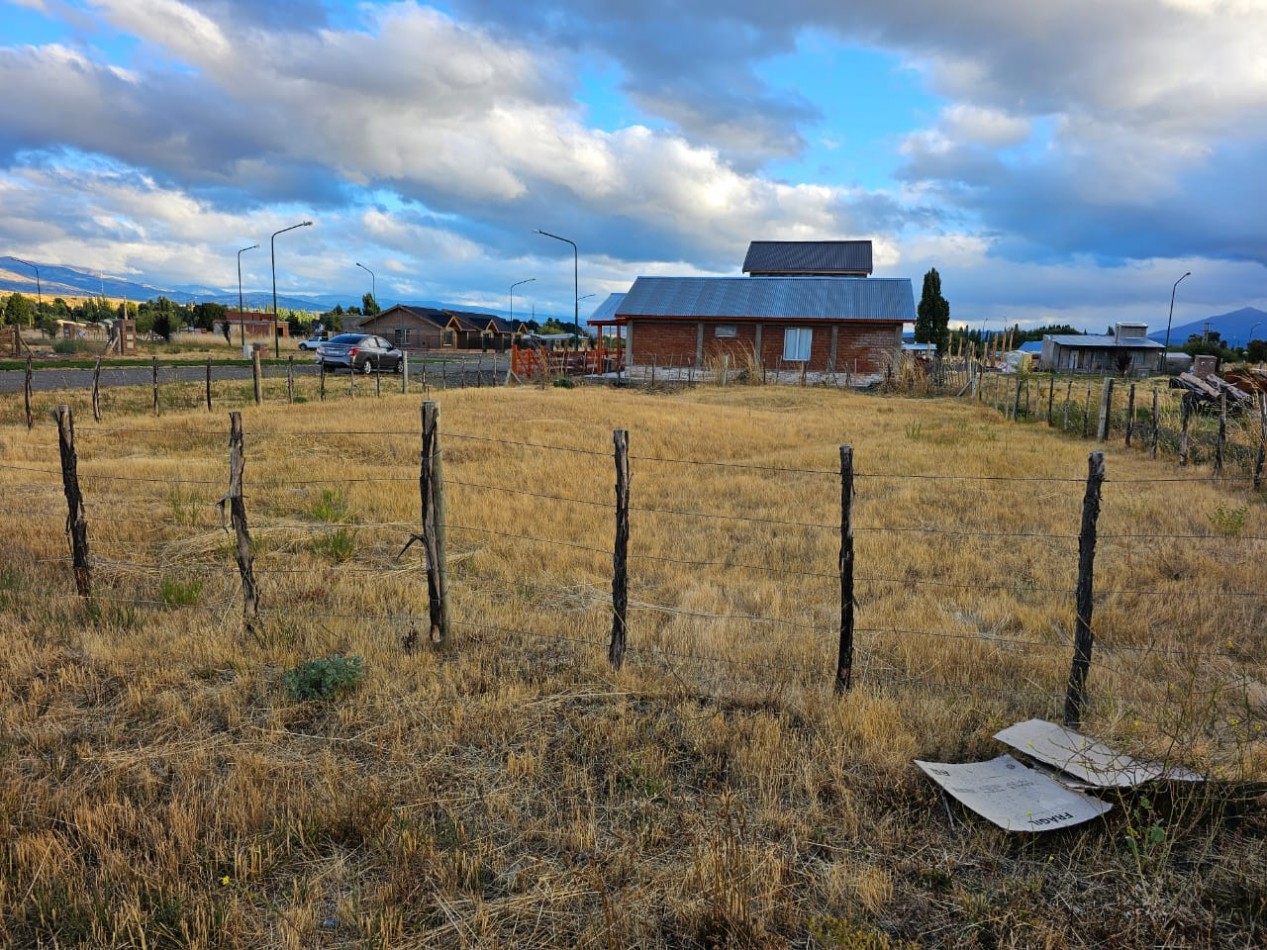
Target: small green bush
[[564, 382], [331, 508], [338, 545], [181, 593], [325, 678], [77, 346]]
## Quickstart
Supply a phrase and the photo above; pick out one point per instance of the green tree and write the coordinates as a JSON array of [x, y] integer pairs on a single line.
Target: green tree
[[369, 306], [932, 321], [1256, 351], [18, 311], [207, 315]]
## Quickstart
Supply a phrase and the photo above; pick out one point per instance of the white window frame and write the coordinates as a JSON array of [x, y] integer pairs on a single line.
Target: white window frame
[[726, 331], [402, 336], [798, 343]]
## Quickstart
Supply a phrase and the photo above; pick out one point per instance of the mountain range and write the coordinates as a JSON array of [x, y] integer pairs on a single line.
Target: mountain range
[[1235, 328]]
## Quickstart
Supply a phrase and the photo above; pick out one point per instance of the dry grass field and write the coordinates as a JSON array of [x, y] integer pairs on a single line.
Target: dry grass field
[[163, 784]]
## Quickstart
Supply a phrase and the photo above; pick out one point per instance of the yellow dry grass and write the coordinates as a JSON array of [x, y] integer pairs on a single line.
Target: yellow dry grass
[[162, 788]]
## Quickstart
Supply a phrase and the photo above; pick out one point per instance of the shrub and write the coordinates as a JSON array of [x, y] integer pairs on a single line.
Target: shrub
[[325, 678], [564, 382], [77, 346]]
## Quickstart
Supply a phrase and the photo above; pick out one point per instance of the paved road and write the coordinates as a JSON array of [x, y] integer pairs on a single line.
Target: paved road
[[454, 374]]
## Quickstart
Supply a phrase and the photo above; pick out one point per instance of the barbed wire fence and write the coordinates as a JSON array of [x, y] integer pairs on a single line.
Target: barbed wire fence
[[834, 623]]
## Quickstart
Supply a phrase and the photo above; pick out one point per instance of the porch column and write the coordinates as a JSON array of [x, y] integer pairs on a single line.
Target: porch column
[[757, 345], [699, 344], [835, 341], [629, 357]]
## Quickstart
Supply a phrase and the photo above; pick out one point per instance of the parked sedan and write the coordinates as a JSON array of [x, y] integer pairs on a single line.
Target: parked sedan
[[313, 342], [359, 352]]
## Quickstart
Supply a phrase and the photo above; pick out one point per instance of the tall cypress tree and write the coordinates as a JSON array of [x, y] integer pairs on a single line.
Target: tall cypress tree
[[932, 321]]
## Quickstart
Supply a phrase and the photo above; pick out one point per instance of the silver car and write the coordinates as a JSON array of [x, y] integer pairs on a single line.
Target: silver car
[[360, 353]]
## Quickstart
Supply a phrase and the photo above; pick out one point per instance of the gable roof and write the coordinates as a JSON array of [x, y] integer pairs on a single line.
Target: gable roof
[[1092, 342], [774, 298], [429, 315], [823, 258]]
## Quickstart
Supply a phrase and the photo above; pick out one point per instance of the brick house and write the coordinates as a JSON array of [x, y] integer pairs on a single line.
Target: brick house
[[820, 325]]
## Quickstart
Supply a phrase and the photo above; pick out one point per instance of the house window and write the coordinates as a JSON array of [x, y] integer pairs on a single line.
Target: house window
[[726, 331], [796, 343], [402, 336]]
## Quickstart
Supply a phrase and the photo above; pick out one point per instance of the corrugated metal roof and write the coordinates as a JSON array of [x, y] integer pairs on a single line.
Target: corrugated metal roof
[[774, 298], [1090, 342], [607, 309], [808, 257]]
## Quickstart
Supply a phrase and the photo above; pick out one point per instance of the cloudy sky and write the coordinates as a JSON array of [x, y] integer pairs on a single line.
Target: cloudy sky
[[1056, 161]]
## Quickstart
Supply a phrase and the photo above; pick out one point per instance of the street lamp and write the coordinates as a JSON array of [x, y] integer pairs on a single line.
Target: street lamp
[[373, 281], [272, 248], [39, 288], [576, 301], [512, 299], [241, 308], [1166, 347]]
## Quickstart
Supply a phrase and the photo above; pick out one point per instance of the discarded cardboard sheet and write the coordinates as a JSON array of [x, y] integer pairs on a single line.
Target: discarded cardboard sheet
[[1085, 759], [1014, 797]]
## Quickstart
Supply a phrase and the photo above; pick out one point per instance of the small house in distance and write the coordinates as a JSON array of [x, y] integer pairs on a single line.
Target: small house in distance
[[1126, 351], [430, 328]]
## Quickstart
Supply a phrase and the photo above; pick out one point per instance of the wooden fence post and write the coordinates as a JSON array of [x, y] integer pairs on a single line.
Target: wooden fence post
[[1084, 639], [257, 376], [321, 371], [1155, 435], [1106, 406], [404, 374], [1130, 415], [155, 367], [1051, 401], [1016, 399], [844, 658], [1086, 415], [431, 488], [208, 384], [1262, 441], [1221, 440], [26, 393], [378, 383], [290, 379], [620, 556], [237, 517], [1185, 416], [1068, 401], [76, 520], [96, 391]]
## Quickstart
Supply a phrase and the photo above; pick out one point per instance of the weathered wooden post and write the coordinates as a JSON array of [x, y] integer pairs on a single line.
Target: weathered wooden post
[[1106, 406], [1130, 415], [1084, 639], [290, 379], [1051, 401], [257, 376], [620, 556], [1221, 440], [96, 391], [1155, 435], [1086, 414], [1016, 398], [844, 656], [1262, 441], [1185, 415], [208, 384], [26, 392], [321, 372], [378, 383], [404, 374], [1068, 401], [76, 520], [431, 488], [237, 517], [155, 367]]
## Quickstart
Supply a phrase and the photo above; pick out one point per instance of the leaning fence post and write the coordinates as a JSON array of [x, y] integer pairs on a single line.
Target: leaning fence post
[[844, 660], [620, 556], [257, 373], [1130, 415], [1262, 441], [1155, 435], [26, 393], [237, 516], [96, 391], [155, 366], [208, 384], [1084, 639], [1106, 405], [290, 379], [431, 488], [76, 520], [1221, 441]]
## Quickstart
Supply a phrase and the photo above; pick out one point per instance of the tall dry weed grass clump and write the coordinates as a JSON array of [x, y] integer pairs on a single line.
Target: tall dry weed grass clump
[[163, 787]]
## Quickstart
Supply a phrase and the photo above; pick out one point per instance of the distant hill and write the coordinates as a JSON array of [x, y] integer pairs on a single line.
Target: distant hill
[[1233, 327]]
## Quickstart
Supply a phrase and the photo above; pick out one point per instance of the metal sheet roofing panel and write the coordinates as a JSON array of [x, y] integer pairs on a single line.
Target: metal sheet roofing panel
[[808, 257], [607, 309], [1090, 342], [771, 298]]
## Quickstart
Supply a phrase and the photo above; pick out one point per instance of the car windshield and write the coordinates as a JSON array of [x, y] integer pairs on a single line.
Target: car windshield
[[347, 338]]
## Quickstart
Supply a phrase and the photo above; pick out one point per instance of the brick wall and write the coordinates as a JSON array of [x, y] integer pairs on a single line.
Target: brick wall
[[862, 348]]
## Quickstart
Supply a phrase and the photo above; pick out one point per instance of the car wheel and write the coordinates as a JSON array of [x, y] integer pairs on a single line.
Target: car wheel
[[367, 367], [400, 365]]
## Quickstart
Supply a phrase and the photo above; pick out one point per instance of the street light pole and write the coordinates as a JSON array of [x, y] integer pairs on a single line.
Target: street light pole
[[373, 281], [512, 299], [576, 301], [39, 288], [272, 248], [241, 308], [1166, 347]]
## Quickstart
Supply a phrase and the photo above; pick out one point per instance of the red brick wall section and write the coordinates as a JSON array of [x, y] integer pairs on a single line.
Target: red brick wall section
[[862, 348]]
